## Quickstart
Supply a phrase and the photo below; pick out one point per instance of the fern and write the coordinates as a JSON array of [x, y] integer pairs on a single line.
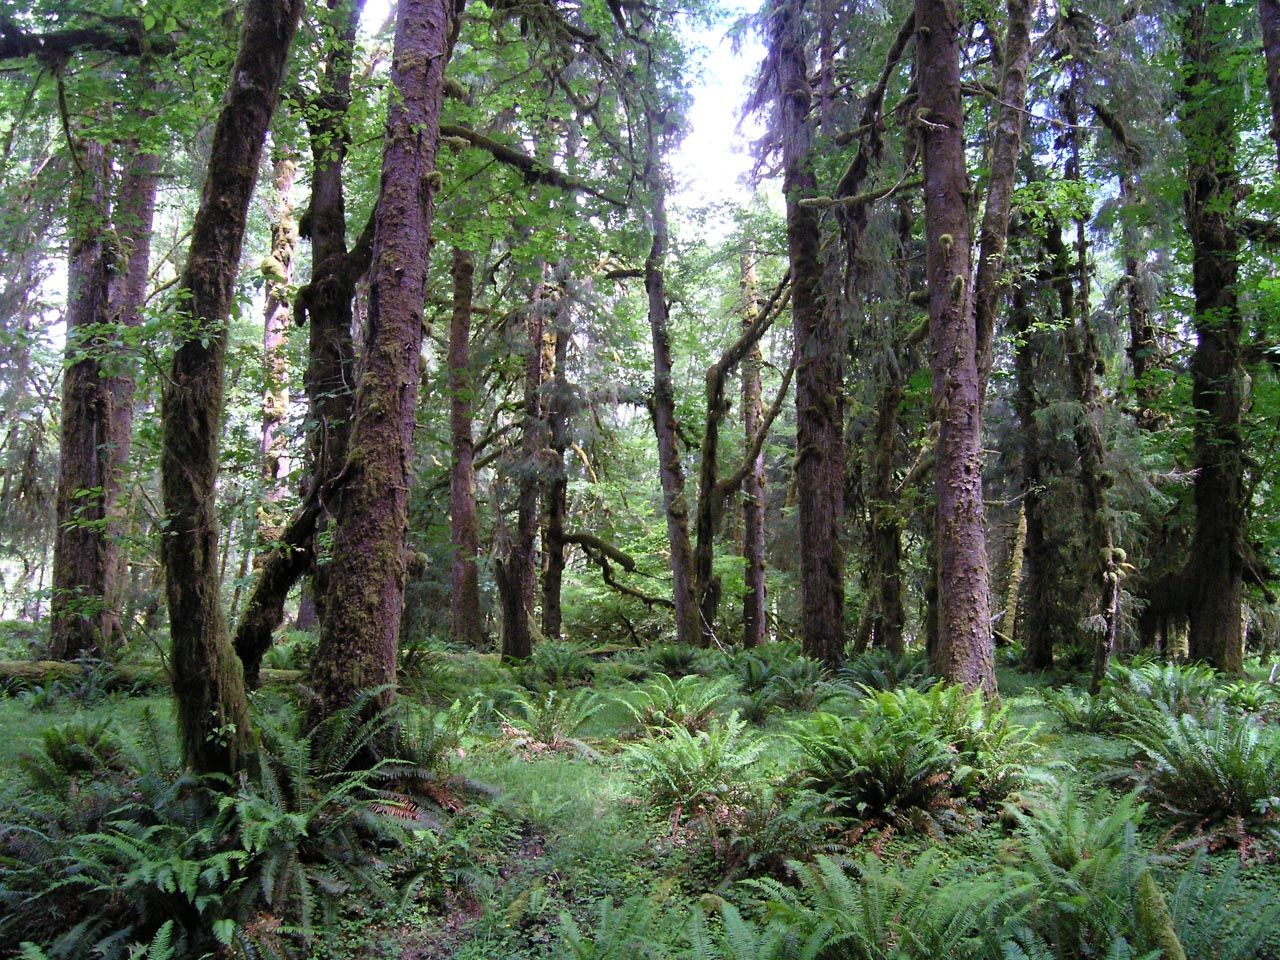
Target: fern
[[694, 770], [689, 702], [551, 721]]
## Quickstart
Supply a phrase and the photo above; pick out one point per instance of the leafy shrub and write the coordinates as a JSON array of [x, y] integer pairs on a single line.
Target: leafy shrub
[[673, 659], [872, 912], [1222, 772], [880, 669], [1139, 692], [551, 721], [993, 753], [554, 664], [688, 702], [196, 866], [1220, 919], [886, 771], [1078, 868], [760, 834], [1081, 711], [696, 770]]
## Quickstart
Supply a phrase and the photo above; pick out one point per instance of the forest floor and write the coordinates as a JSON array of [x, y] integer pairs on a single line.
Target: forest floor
[[546, 824]]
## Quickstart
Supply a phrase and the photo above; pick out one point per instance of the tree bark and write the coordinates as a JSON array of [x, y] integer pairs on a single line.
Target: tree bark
[[1208, 120], [964, 652], [360, 631], [326, 303], [754, 620], [83, 614], [1269, 15], [213, 717], [663, 409], [819, 390], [464, 601]]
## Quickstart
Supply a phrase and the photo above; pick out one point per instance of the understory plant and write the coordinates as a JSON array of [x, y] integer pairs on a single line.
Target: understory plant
[[695, 771], [689, 702]]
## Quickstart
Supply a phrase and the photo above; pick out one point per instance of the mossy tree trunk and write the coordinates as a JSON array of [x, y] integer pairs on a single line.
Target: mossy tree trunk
[[83, 616], [663, 409], [213, 717], [819, 391], [1269, 16], [1209, 122], [464, 600], [360, 631], [964, 651], [559, 407], [754, 619], [324, 303]]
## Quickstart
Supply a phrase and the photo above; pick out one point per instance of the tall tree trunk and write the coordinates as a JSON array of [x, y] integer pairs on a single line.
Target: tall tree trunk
[[326, 302], [518, 568], [1013, 589], [557, 483], [360, 631], [1269, 15], [1036, 617], [1143, 349], [1208, 120], [754, 620], [83, 614], [675, 503], [213, 716], [964, 654], [819, 391], [277, 271], [1005, 147], [464, 601], [134, 218]]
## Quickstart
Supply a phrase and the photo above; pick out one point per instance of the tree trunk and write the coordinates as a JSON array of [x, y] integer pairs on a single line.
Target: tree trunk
[[213, 716], [1005, 148], [1013, 588], [819, 390], [557, 484], [1208, 120], [134, 219], [1036, 619], [754, 621], [360, 631], [326, 302], [1269, 15], [964, 653], [277, 271], [675, 503], [464, 601], [83, 609], [519, 569]]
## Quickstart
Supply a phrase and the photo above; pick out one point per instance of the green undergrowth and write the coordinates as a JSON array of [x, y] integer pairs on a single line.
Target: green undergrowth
[[682, 804]]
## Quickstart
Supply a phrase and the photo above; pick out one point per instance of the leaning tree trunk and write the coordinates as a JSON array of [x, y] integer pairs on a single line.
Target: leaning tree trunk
[[326, 303], [364, 602], [819, 391], [1269, 14], [83, 610], [464, 601], [964, 652], [213, 715], [675, 502], [754, 620], [1208, 120]]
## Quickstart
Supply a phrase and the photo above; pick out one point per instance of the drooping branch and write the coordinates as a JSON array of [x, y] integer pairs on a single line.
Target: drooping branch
[[600, 552], [533, 170], [57, 46], [730, 484]]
